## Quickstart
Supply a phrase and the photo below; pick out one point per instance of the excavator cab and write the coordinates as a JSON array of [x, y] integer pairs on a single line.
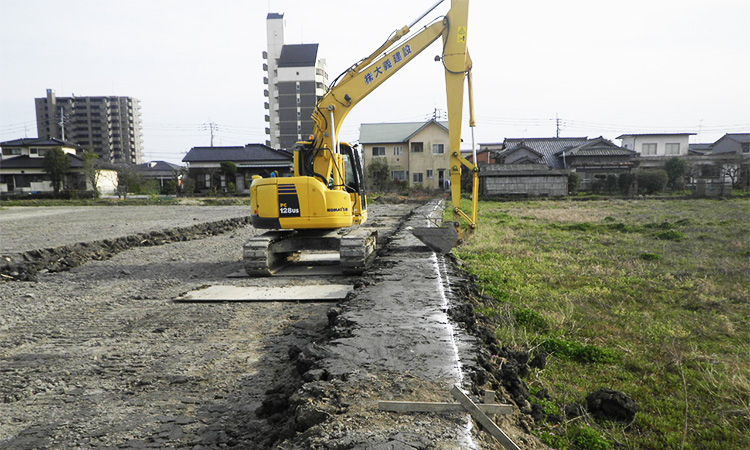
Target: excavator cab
[[353, 175], [321, 195]]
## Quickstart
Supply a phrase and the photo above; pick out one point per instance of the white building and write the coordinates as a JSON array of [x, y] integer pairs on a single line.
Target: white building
[[296, 80], [657, 145]]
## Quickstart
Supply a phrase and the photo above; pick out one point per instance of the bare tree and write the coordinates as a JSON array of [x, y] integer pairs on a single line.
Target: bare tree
[[92, 171], [730, 168], [126, 179]]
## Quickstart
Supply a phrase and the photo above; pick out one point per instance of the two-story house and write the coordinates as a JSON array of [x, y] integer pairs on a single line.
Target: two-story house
[[416, 152], [656, 148], [22, 168], [732, 143]]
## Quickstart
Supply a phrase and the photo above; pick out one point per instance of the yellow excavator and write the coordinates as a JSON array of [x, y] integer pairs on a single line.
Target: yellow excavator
[[326, 195]]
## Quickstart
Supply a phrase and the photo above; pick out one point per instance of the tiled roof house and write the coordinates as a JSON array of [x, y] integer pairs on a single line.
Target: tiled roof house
[[204, 164]]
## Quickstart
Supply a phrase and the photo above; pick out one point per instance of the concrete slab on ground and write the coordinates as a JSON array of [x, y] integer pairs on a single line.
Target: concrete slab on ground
[[313, 293]]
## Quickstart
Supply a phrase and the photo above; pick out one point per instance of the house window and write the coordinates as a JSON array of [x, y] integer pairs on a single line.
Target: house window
[[207, 180], [398, 150], [399, 175], [417, 147], [438, 149], [43, 152], [11, 151], [23, 181], [430, 174], [418, 177], [378, 151], [673, 149], [648, 149], [745, 147]]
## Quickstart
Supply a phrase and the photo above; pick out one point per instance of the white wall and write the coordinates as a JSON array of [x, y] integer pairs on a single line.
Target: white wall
[[107, 182], [296, 73], [636, 143]]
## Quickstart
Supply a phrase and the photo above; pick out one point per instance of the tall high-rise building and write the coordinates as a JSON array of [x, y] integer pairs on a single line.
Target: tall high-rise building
[[108, 126], [296, 80]]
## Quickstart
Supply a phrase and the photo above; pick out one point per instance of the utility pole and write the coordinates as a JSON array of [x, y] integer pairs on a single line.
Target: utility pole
[[557, 122], [62, 123], [211, 126]]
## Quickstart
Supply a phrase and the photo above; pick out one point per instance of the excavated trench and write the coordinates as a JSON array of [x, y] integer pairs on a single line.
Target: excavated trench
[[26, 265]]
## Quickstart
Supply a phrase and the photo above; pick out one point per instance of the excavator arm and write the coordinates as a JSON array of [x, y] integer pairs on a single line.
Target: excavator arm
[[364, 77], [326, 193]]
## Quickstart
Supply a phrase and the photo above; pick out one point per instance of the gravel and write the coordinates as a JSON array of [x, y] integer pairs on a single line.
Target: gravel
[[26, 228], [100, 356]]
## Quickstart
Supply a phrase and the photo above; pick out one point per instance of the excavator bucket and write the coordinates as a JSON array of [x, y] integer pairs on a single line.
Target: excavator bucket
[[439, 239]]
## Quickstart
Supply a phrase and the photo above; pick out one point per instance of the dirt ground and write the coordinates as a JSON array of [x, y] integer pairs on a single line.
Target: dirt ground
[[101, 356]]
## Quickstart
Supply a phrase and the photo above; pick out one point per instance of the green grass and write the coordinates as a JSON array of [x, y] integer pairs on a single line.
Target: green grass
[[648, 297]]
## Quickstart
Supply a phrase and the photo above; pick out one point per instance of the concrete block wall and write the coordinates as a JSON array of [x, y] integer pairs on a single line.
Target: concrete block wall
[[527, 185]]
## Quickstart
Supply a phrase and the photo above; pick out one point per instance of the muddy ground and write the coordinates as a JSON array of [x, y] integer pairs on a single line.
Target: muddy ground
[[95, 352]]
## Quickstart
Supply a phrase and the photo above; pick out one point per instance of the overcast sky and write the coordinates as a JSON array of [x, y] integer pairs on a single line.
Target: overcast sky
[[602, 67]]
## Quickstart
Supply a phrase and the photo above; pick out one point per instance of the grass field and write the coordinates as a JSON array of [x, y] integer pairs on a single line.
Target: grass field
[[649, 297]]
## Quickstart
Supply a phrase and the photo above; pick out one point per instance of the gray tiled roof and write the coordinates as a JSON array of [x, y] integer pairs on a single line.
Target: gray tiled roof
[[158, 166], [700, 149], [27, 162], [389, 133], [299, 55], [507, 151], [37, 142], [547, 147], [597, 147], [743, 138], [248, 153]]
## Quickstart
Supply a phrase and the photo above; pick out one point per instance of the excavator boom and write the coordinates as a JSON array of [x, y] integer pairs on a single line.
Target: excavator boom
[[327, 190]]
